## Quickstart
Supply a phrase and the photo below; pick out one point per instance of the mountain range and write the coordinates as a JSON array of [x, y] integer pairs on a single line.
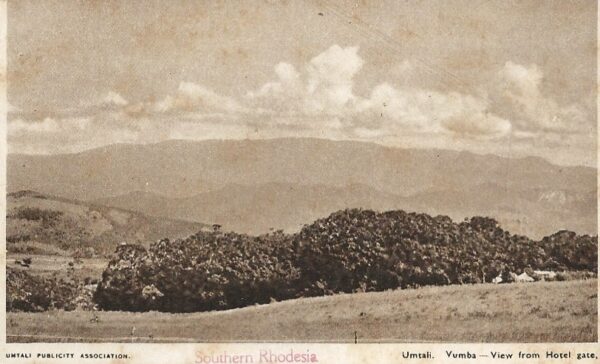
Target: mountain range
[[257, 185]]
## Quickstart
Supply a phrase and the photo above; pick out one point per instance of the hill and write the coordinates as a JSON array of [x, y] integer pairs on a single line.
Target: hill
[[537, 312], [261, 208], [43, 224], [258, 209]]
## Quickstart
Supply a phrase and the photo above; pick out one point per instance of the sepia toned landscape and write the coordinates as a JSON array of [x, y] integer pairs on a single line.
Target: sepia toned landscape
[[302, 172]]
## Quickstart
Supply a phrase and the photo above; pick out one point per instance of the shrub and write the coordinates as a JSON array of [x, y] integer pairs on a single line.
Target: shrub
[[25, 292]]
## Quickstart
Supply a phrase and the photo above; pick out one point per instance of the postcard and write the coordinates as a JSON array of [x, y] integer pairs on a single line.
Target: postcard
[[299, 181]]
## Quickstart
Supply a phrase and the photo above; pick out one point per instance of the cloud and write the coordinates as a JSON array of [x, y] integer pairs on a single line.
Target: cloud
[[397, 110], [74, 134], [330, 79], [287, 73], [517, 94], [283, 96], [114, 98], [324, 87], [192, 97], [47, 125]]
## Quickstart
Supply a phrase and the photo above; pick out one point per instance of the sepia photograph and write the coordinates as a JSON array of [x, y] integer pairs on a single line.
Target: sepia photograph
[[319, 171]]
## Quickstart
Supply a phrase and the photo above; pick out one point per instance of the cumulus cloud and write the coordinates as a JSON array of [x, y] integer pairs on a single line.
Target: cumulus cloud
[[396, 110], [330, 79], [323, 87], [517, 93]]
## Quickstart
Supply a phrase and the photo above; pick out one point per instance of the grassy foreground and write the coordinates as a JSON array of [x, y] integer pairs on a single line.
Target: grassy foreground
[[534, 312]]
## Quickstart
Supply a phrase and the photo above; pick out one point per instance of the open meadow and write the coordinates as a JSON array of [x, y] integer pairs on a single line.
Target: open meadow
[[534, 312]]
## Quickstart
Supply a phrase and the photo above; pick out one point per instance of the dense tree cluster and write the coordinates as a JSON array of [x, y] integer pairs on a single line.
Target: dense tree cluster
[[27, 292], [349, 251], [363, 250], [35, 214], [569, 251], [207, 271]]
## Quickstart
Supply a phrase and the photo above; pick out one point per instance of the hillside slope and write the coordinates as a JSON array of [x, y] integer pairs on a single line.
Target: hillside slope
[[38, 223], [258, 209], [536, 312]]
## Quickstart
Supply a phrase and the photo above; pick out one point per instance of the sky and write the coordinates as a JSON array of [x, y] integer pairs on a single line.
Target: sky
[[512, 78]]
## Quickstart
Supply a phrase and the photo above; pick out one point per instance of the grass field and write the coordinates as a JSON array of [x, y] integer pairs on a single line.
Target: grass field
[[534, 312], [45, 265]]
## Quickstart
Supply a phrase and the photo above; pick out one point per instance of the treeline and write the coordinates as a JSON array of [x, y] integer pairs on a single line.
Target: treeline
[[349, 251]]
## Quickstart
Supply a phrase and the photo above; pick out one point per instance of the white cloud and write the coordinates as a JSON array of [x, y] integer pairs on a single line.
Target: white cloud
[[284, 96], [74, 134], [47, 125], [324, 87], [330, 79], [114, 98], [287, 73], [407, 109], [517, 94], [287, 84], [192, 97], [325, 90]]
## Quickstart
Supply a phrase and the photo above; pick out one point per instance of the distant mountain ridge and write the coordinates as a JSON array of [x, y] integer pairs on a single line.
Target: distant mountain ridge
[[186, 168], [254, 185], [259, 209]]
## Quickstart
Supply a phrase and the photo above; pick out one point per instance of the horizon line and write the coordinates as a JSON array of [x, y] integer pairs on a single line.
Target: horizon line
[[212, 140]]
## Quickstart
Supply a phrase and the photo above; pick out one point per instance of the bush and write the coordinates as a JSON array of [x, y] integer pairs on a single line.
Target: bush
[[121, 286], [25, 292]]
